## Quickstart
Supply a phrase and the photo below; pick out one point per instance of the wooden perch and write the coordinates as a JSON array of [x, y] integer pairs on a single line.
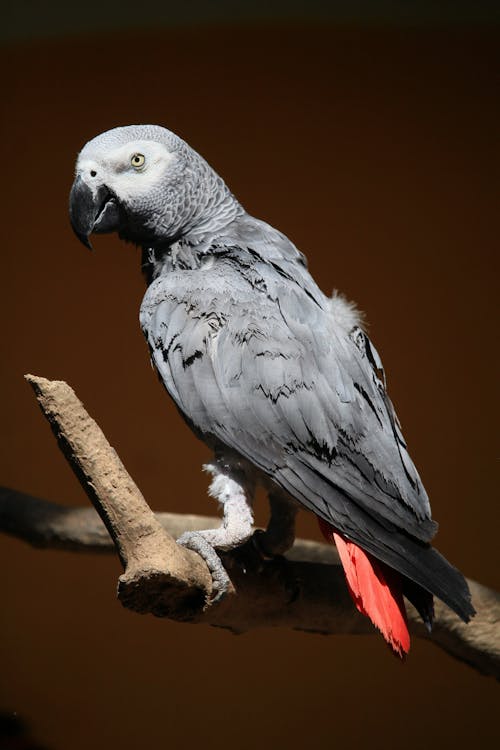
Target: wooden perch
[[305, 591]]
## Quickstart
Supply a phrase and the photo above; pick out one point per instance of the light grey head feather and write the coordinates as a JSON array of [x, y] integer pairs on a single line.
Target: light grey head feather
[[187, 198]]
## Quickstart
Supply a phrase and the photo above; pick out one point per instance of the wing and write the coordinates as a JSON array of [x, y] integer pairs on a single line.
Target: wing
[[255, 362]]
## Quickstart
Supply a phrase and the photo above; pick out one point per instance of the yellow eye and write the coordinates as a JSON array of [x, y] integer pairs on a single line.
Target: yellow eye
[[137, 160]]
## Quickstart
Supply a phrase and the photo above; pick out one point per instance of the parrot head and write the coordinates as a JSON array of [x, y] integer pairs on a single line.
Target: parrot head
[[145, 183]]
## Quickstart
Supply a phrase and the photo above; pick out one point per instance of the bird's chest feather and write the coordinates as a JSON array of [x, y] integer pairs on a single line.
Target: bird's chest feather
[[205, 328]]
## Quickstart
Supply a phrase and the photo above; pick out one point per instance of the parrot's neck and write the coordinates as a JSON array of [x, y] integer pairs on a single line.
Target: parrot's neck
[[180, 255], [189, 250]]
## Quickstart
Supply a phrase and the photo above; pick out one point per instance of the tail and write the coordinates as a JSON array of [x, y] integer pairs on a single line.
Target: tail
[[376, 588]]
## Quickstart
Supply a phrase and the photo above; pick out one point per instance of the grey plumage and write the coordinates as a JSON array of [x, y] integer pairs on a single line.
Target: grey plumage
[[262, 365]]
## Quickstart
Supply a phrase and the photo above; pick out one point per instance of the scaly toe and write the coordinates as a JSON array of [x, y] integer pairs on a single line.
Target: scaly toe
[[221, 583]]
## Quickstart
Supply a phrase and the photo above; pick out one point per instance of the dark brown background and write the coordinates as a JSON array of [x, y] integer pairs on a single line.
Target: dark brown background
[[374, 151]]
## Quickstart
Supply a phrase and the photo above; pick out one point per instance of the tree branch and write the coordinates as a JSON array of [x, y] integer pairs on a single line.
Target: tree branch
[[48, 525], [306, 591], [147, 552]]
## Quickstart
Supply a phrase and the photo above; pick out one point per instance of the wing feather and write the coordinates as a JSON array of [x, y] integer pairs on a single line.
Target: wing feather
[[284, 386]]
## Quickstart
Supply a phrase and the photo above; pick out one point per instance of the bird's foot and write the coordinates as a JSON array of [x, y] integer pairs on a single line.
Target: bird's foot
[[221, 583], [271, 555], [263, 545]]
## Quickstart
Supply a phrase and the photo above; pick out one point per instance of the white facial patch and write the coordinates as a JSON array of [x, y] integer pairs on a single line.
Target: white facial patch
[[115, 167]]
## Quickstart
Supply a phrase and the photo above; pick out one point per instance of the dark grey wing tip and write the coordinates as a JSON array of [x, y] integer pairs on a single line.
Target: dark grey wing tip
[[422, 600], [455, 591], [461, 599], [469, 612]]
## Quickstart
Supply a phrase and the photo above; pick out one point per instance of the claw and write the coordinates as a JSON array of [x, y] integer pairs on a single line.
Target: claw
[[278, 561], [221, 583], [258, 539]]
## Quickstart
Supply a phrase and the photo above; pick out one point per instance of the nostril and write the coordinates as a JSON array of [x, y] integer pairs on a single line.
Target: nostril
[[93, 173]]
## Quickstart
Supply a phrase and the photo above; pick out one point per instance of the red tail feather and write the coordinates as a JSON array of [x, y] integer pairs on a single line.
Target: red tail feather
[[375, 589]]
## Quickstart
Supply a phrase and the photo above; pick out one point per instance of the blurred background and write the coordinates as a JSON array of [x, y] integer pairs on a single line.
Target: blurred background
[[368, 133]]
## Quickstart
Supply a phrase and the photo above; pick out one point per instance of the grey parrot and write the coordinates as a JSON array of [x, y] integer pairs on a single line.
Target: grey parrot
[[279, 380]]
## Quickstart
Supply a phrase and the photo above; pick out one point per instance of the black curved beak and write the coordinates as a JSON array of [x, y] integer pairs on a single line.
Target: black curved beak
[[92, 211]]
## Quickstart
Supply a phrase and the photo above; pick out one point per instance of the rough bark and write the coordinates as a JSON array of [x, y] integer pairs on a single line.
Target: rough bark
[[305, 591], [146, 550]]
